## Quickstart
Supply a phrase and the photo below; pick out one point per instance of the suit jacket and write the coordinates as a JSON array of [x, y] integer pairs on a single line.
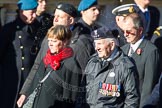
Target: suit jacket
[[154, 20], [147, 61]]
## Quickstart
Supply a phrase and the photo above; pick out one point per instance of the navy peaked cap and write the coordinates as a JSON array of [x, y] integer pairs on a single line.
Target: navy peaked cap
[[125, 9]]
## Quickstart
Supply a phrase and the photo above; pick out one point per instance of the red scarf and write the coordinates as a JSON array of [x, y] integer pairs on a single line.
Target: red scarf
[[54, 60]]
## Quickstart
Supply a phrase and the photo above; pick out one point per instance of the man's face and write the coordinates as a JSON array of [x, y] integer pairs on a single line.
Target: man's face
[[28, 16], [131, 33], [61, 18], [91, 14], [103, 48], [41, 5]]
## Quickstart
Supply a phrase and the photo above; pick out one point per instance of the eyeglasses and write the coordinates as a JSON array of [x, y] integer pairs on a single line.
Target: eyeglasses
[[129, 33]]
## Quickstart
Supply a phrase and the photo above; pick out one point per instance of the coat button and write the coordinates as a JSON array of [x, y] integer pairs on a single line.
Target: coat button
[[22, 58], [22, 68], [21, 47], [20, 37]]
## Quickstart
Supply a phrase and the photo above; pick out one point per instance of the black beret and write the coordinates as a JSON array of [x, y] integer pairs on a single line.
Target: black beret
[[68, 8], [102, 33]]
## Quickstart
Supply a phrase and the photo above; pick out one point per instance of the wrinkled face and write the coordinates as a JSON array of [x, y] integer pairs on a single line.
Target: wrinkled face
[[131, 33], [28, 16], [61, 18], [103, 48], [41, 5], [55, 45], [91, 14]]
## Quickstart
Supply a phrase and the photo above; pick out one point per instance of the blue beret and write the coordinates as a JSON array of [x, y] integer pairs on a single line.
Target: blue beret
[[27, 4], [68, 8], [85, 4], [102, 33]]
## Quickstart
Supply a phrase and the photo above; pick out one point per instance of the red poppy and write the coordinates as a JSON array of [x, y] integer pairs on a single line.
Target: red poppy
[[139, 51]]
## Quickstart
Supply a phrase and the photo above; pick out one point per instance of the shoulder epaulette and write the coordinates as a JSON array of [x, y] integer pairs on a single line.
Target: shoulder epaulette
[[158, 31]]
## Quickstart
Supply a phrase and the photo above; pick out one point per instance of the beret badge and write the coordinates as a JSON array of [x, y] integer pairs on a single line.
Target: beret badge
[[59, 6]]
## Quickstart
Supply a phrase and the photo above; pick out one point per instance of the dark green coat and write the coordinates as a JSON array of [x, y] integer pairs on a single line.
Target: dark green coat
[[148, 67]]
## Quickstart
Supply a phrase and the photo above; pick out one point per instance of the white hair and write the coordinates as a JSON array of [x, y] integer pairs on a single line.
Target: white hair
[[114, 40]]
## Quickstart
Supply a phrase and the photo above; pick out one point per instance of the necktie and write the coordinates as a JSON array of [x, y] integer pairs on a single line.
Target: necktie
[[146, 13], [131, 51]]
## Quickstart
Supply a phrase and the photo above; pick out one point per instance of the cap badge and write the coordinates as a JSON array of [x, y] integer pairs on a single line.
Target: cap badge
[[131, 9]]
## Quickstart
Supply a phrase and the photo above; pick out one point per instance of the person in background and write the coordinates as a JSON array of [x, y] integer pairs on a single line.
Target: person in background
[[146, 56], [60, 88], [154, 99], [65, 14], [45, 20], [152, 16], [110, 75], [17, 51], [82, 42]]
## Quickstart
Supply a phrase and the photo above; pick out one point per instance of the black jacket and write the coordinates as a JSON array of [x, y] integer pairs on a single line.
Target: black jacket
[[112, 85], [60, 89]]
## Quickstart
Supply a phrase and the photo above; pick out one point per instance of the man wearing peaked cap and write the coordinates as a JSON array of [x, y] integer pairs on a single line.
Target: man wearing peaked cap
[[17, 57], [104, 72], [120, 13]]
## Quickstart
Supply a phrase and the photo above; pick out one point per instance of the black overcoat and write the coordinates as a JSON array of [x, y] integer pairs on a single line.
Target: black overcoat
[[16, 58], [60, 89]]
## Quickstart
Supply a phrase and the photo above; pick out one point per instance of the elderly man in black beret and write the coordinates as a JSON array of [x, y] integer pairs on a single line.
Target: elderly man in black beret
[[109, 74], [17, 55]]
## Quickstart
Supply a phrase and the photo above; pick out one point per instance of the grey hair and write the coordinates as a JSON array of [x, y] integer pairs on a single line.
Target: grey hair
[[114, 40], [137, 20]]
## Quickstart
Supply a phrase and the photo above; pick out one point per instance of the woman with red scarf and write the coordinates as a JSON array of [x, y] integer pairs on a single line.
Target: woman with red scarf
[[61, 87]]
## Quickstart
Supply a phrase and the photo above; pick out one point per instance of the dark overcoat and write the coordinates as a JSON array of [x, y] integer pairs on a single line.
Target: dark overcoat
[[16, 58], [61, 87], [147, 60]]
